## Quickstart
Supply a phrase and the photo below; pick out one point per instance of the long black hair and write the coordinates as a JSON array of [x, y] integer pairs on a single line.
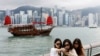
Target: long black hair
[[70, 44], [57, 39], [79, 49]]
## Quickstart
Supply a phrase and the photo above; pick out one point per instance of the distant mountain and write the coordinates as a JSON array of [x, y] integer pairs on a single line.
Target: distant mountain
[[86, 11], [24, 8]]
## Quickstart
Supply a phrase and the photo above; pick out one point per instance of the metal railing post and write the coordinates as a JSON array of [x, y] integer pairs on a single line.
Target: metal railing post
[[88, 52], [90, 49]]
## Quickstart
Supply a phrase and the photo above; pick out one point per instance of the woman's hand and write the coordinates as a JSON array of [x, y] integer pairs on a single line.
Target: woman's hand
[[63, 49]]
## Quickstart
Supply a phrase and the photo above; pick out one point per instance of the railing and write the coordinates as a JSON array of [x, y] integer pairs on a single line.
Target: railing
[[88, 48]]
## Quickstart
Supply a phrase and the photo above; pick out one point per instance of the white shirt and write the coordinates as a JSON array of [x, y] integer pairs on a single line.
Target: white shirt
[[53, 52]]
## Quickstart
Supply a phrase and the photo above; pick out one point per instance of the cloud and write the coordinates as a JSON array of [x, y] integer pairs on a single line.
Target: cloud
[[68, 4]]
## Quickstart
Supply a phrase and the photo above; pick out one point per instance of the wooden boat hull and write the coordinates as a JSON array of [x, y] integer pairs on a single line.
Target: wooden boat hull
[[25, 31]]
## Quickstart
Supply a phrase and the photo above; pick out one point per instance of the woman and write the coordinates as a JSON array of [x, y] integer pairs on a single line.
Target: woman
[[55, 51], [68, 48], [78, 47]]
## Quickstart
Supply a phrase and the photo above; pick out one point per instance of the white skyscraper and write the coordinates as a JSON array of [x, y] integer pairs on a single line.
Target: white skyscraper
[[12, 19], [84, 18], [17, 18], [91, 20], [97, 18], [66, 19], [55, 9], [29, 13], [55, 20], [30, 18], [60, 20], [52, 12], [0, 22], [71, 20], [35, 16], [21, 16], [1, 13], [24, 19], [22, 12], [44, 18]]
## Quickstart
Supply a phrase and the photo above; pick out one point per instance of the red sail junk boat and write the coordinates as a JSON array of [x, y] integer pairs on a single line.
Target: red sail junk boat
[[29, 29], [49, 20], [7, 20]]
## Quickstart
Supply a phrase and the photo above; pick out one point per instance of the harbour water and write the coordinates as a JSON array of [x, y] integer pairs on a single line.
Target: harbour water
[[39, 45]]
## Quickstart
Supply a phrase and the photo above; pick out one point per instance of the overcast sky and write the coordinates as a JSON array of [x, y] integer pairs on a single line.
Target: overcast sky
[[68, 4]]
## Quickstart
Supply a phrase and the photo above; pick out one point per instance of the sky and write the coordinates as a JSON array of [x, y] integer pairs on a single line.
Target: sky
[[67, 4]]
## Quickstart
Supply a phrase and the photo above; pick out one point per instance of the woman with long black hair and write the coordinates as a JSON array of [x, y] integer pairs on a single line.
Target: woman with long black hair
[[78, 47], [68, 48], [55, 51]]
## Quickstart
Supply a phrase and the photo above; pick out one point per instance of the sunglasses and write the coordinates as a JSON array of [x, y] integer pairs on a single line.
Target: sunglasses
[[66, 44], [75, 43], [58, 43]]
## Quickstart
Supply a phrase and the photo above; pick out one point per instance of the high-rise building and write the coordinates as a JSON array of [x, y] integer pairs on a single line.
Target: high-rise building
[[77, 18], [55, 21], [52, 12], [22, 12], [44, 18], [1, 15], [96, 18], [30, 18], [66, 19], [35, 16], [71, 20], [55, 9], [17, 18], [12, 19], [8, 12], [24, 19], [99, 19], [29, 13], [84, 21], [0, 21], [60, 18], [92, 20]]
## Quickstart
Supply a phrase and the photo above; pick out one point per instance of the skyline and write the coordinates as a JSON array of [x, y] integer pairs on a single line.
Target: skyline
[[74, 20], [67, 4]]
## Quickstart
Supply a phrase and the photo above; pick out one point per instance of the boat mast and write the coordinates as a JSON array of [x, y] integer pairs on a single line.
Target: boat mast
[[41, 18]]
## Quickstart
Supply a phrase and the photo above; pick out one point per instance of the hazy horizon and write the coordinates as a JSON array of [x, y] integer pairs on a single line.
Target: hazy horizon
[[67, 4]]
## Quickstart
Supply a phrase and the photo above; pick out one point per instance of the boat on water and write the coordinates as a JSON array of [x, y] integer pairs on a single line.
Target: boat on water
[[29, 29], [93, 26]]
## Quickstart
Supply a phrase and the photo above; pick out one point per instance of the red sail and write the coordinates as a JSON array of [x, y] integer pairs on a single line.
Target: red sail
[[49, 20], [7, 20]]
